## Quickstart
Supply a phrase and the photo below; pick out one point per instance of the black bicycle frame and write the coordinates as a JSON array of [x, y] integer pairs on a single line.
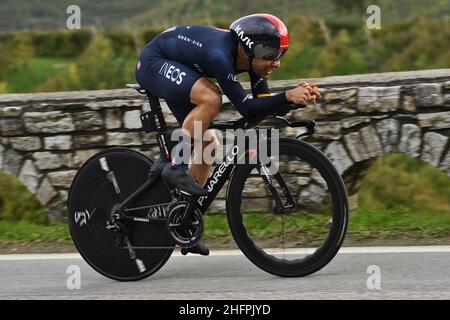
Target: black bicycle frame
[[219, 176], [154, 121]]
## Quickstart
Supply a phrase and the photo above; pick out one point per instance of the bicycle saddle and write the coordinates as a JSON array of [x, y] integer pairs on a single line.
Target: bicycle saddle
[[137, 87]]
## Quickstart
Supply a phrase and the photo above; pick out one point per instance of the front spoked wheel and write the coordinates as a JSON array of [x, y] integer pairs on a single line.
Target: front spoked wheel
[[103, 181], [305, 233]]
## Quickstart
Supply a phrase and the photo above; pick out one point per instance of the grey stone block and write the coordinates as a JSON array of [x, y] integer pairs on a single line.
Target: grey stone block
[[372, 141], [12, 162], [113, 118], [88, 121], [437, 120], [30, 176], [47, 160], [48, 122], [12, 112], [132, 120], [62, 178], [335, 151], [433, 147], [388, 131], [58, 143], [355, 144], [46, 192], [26, 143], [354, 121], [429, 94], [123, 139], [410, 141], [11, 127], [378, 99]]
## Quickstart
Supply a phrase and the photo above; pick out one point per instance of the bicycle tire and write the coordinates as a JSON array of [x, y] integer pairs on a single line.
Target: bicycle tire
[[102, 248], [245, 238]]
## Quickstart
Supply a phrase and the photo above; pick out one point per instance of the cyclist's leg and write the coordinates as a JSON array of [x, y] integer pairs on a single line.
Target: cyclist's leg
[[180, 110], [167, 79], [172, 81], [191, 97], [198, 167], [208, 100], [202, 161]]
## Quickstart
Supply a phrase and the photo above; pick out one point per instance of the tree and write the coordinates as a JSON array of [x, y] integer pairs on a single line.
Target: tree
[[15, 51], [339, 58]]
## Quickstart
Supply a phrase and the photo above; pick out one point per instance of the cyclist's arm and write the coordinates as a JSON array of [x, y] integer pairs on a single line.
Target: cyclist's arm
[[260, 88], [226, 77]]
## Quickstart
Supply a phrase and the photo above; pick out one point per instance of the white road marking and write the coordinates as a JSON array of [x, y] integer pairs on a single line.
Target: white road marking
[[39, 256], [404, 249]]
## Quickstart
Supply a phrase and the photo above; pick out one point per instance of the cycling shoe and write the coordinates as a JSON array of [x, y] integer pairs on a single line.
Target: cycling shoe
[[183, 180], [200, 248]]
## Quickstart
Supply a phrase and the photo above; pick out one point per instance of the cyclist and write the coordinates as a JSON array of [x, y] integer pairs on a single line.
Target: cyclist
[[176, 66]]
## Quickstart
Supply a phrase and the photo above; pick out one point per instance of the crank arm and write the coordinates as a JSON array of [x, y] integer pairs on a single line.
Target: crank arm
[[188, 213]]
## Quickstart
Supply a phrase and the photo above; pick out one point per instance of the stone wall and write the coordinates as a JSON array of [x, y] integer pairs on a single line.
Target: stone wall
[[45, 137]]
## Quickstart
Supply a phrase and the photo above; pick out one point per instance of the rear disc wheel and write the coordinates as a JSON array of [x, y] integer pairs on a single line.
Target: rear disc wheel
[[94, 192]]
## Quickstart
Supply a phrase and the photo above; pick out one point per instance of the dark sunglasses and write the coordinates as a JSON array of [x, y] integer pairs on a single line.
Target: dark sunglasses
[[268, 53]]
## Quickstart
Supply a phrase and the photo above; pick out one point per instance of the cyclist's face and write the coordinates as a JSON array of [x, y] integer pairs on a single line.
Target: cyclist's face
[[264, 68]]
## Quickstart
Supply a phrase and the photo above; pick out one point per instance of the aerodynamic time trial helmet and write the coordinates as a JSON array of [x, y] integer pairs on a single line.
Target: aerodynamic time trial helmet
[[262, 35]]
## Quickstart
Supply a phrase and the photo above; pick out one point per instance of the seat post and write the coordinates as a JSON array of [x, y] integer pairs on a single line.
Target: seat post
[[155, 108], [163, 135]]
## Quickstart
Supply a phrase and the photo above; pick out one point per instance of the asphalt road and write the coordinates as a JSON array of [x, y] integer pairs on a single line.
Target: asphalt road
[[355, 273]]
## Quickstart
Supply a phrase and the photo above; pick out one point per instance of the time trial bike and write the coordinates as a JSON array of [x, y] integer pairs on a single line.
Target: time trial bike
[[125, 221]]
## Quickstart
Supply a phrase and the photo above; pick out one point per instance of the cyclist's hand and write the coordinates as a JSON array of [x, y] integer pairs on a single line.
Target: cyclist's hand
[[313, 91], [304, 94], [298, 95]]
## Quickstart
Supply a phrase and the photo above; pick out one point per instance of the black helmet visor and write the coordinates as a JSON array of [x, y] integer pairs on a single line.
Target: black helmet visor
[[268, 53]]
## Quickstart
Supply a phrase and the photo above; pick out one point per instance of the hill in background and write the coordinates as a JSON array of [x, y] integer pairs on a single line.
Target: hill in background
[[329, 37], [51, 14]]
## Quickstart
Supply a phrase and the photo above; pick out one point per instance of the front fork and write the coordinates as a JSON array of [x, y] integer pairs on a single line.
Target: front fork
[[279, 207], [264, 171]]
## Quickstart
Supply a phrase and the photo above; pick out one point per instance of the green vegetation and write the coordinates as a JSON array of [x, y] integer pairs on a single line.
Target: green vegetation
[[17, 203], [98, 67], [15, 52], [50, 14], [398, 180], [262, 226], [223, 11], [328, 38], [28, 232], [402, 197], [398, 223], [36, 72]]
